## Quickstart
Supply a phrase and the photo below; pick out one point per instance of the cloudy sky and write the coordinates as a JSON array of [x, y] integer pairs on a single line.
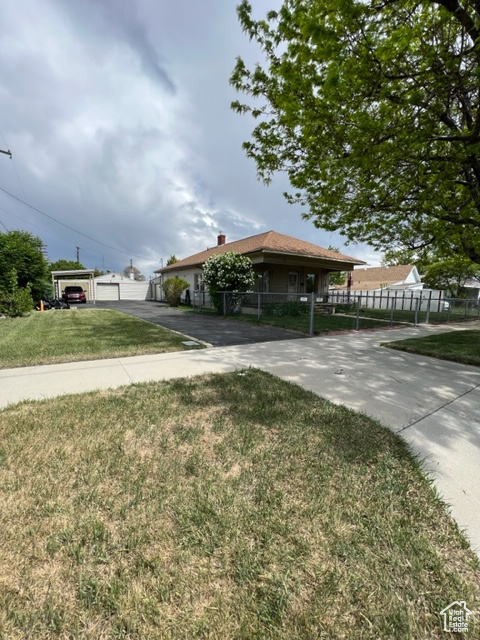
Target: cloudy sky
[[118, 116]]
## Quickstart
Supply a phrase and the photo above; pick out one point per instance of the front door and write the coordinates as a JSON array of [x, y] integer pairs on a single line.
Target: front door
[[293, 284]]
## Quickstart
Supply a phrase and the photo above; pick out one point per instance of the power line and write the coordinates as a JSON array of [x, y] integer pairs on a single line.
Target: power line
[[30, 206], [55, 235]]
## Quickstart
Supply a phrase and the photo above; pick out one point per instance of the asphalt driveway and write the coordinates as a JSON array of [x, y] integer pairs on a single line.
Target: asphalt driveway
[[216, 330]]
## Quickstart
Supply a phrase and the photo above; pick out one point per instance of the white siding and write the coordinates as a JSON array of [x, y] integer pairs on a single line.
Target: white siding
[[126, 289]]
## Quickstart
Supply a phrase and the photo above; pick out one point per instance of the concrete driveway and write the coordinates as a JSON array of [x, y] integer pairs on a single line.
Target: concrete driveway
[[214, 330]]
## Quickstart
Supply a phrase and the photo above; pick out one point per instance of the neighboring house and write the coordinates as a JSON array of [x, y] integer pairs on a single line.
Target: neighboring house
[[402, 277], [398, 287], [117, 286], [472, 289], [283, 264]]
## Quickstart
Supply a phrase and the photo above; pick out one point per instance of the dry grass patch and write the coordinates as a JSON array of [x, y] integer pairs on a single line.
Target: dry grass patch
[[228, 506], [75, 335]]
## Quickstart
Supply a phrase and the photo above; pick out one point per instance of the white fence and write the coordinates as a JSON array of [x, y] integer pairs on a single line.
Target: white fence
[[400, 300]]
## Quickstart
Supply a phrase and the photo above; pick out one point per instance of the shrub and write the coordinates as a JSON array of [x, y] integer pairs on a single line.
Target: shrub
[[14, 300], [289, 308], [230, 272], [173, 289], [346, 308]]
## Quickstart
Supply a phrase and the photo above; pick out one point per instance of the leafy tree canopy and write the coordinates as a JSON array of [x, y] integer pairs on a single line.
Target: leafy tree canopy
[[22, 252], [421, 258], [451, 275], [438, 271], [373, 110], [172, 260], [65, 265]]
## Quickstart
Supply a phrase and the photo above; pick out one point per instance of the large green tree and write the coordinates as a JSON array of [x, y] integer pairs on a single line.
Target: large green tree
[[438, 271], [451, 274], [372, 108], [65, 265], [22, 252]]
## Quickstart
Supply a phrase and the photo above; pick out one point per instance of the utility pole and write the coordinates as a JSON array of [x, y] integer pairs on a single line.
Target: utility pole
[[78, 254]]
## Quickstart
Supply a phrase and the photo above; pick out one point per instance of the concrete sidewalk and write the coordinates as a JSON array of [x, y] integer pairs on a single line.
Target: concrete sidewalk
[[433, 404]]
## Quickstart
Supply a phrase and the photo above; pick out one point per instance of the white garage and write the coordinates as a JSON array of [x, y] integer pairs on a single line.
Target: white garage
[[108, 291], [116, 286]]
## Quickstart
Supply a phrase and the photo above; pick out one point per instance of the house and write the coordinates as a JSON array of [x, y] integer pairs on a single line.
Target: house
[[399, 287], [471, 287], [117, 286], [283, 264], [401, 277]]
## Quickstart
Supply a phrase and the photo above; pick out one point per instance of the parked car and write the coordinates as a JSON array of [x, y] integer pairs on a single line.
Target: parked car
[[74, 293]]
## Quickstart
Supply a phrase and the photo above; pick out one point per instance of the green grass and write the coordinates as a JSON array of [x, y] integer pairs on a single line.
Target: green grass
[[456, 314], [322, 323], [233, 506], [72, 335], [458, 346]]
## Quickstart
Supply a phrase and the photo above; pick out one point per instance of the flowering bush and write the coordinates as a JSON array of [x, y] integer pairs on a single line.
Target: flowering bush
[[228, 272]]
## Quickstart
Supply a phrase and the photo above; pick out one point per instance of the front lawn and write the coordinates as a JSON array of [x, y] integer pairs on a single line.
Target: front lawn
[[233, 506], [459, 346], [322, 323], [87, 334]]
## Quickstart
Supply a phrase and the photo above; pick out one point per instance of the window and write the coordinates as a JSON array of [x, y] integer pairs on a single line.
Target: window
[[198, 282], [310, 280], [266, 281]]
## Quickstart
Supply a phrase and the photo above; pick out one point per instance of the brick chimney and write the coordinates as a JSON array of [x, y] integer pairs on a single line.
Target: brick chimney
[[221, 239]]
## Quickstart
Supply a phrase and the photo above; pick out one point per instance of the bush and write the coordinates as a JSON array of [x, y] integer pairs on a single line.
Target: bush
[[346, 308], [14, 301], [230, 272], [173, 289], [16, 304], [290, 308]]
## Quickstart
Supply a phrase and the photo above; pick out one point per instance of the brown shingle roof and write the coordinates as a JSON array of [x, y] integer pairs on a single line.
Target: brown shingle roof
[[270, 241], [378, 277]]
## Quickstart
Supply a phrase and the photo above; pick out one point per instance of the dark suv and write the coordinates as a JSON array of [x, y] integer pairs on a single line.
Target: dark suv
[[74, 293]]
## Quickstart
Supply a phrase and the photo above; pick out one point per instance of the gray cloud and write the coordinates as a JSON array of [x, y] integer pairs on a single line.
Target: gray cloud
[[119, 120]]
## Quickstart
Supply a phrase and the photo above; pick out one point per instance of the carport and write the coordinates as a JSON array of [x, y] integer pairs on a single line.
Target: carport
[[85, 275]]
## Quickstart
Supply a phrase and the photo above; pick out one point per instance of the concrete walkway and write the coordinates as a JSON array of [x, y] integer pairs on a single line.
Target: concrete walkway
[[433, 404]]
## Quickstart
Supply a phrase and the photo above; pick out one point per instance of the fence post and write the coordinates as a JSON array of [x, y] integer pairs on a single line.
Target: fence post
[[357, 319], [427, 317], [416, 310], [312, 313], [224, 303], [466, 309], [391, 312], [258, 306]]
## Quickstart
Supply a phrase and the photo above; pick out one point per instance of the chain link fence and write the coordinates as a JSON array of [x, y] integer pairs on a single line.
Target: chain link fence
[[313, 313]]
